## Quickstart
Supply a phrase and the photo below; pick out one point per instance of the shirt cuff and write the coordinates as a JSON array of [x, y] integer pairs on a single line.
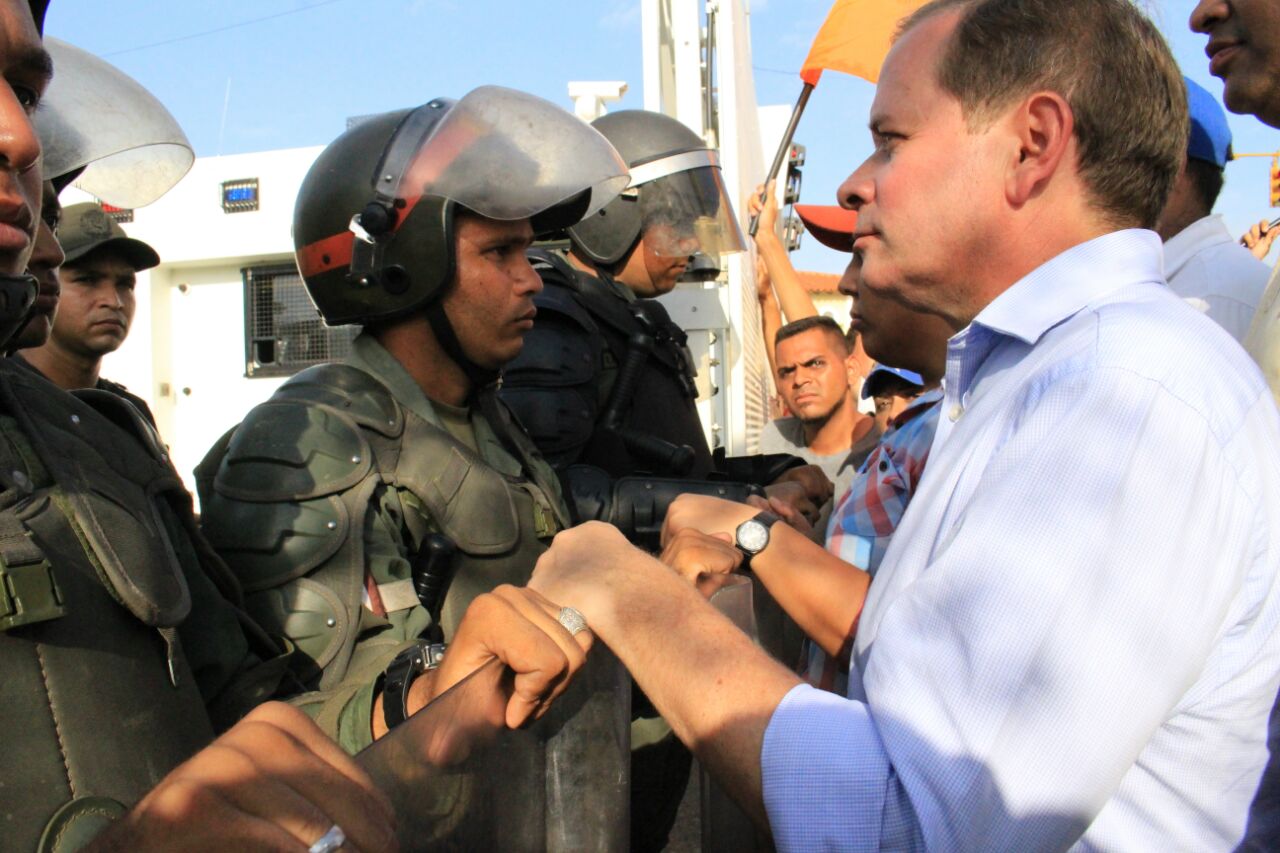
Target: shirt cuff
[[825, 773]]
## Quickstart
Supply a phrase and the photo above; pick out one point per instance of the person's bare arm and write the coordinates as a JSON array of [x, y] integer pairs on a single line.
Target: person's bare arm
[[770, 315], [715, 687], [821, 592], [794, 301]]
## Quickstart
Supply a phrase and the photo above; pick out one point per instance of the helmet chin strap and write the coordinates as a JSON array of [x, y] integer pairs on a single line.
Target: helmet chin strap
[[17, 295], [480, 377]]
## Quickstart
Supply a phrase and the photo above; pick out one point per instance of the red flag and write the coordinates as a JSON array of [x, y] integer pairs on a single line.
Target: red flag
[[855, 38]]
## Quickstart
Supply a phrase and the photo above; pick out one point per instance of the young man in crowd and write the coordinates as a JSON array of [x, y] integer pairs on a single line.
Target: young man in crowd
[[825, 427]]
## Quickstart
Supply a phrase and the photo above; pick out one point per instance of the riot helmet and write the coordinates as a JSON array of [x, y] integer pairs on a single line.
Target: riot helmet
[[103, 130], [373, 225], [676, 200]]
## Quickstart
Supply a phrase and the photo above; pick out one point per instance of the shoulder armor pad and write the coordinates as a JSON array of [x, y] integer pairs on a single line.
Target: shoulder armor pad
[[558, 352], [555, 298], [293, 450], [269, 544], [351, 391]]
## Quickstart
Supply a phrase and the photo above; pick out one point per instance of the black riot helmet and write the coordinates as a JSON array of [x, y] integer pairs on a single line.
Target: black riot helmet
[[373, 224], [676, 200]]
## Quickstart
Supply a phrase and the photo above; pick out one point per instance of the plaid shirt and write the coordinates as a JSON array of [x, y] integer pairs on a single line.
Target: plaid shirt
[[864, 519]]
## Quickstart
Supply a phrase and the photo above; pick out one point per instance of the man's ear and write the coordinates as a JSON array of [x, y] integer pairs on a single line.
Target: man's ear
[[1045, 128]]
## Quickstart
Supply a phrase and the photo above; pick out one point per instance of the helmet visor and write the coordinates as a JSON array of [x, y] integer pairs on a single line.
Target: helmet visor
[[97, 116], [502, 154], [688, 212]]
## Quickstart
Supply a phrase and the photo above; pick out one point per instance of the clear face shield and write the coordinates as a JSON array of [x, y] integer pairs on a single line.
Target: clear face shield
[[96, 117], [684, 207], [503, 154]]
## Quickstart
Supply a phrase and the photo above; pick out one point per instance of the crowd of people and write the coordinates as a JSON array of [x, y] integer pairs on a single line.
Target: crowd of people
[[1039, 587]]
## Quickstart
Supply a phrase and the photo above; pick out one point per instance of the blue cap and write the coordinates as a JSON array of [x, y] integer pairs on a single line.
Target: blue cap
[[1210, 137], [880, 374]]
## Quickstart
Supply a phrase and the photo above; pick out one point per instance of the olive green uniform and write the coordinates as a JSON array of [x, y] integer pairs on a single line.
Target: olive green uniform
[[122, 647], [321, 499]]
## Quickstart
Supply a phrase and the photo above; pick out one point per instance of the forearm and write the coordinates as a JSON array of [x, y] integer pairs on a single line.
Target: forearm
[[792, 298], [714, 686], [823, 594], [770, 322]]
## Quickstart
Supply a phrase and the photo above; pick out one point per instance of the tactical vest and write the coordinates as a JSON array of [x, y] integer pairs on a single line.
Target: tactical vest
[[285, 497], [98, 701], [565, 378]]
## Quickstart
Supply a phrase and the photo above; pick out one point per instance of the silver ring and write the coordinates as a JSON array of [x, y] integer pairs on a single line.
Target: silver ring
[[330, 841], [573, 621]]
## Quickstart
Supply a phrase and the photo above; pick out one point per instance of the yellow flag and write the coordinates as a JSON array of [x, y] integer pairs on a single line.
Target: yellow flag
[[855, 38]]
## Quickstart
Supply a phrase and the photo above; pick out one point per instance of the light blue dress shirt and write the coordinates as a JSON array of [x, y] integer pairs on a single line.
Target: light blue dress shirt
[[1074, 637]]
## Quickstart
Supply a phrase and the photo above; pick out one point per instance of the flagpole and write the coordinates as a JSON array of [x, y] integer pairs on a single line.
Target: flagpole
[[782, 150]]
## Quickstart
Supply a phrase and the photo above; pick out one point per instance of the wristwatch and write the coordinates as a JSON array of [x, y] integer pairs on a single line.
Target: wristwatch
[[752, 535], [399, 677]]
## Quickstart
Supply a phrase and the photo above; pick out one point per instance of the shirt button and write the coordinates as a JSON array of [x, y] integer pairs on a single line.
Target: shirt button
[[956, 411]]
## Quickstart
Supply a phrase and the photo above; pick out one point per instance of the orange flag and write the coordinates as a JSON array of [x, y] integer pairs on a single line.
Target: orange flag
[[855, 38]]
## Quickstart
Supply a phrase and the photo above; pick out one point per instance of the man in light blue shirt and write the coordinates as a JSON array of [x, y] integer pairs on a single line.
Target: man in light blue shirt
[[1074, 637]]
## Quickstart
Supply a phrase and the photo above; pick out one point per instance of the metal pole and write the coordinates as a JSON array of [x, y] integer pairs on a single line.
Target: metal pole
[[782, 150]]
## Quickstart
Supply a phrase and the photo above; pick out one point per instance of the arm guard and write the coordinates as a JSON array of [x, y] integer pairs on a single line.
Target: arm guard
[[760, 470], [638, 505]]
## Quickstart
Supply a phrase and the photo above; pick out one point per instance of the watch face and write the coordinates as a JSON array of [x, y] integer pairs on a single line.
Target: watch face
[[752, 536]]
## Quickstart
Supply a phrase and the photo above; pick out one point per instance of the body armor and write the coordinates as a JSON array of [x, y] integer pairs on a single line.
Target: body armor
[[107, 681], [564, 384], [286, 494]]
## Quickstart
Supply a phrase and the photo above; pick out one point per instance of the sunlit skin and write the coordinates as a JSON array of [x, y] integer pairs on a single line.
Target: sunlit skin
[[489, 305], [1244, 50], [813, 379], [44, 262], [894, 334], [951, 214], [648, 273], [95, 313], [27, 69]]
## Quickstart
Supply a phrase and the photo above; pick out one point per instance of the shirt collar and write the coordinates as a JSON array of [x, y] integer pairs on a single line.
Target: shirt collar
[[1192, 240], [1062, 286], [371, 357]]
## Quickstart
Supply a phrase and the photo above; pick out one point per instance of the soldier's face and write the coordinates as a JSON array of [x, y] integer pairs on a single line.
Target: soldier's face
[[491, 305], [97, 303], [651, 273], [45, 260], [27, 70], [1244, 50]]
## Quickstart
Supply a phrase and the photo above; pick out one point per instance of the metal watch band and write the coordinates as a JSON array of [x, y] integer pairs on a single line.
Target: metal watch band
[[399, 677]]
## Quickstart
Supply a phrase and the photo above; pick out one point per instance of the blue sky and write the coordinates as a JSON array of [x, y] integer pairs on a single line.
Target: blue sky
[[243, 76]]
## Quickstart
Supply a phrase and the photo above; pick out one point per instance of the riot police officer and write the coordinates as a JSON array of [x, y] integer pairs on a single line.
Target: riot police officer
[[605, 382], [123, 647], [367, 503]]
